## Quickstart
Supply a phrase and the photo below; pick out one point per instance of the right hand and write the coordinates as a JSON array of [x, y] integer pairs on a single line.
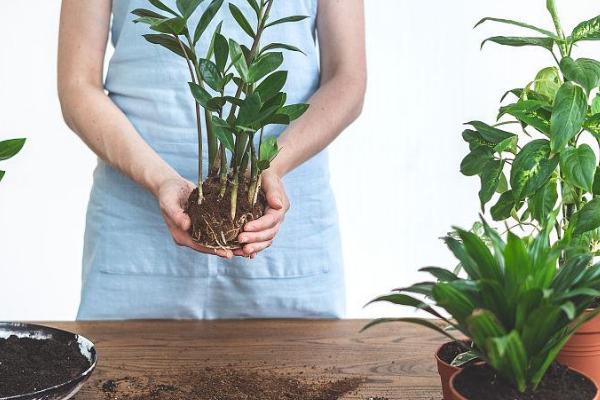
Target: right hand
[[172, 197]]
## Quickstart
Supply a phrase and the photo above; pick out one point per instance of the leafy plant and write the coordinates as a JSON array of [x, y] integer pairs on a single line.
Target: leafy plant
[[518, 308], [8, 149], [544, 163], [238, 87]]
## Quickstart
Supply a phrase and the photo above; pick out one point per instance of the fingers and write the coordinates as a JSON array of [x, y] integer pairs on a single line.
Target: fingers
[[271, 219], [254, 248], [260, 236], [183, 238]]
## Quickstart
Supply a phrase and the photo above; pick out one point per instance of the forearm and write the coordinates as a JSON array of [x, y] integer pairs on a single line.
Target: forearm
[[336, 104], [90, 113]]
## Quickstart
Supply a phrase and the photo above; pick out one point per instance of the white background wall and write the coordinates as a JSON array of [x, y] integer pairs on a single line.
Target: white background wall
[[395, 171]]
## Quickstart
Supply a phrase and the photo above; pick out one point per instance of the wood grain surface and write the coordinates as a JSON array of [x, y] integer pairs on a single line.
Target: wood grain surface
[[395, 360]]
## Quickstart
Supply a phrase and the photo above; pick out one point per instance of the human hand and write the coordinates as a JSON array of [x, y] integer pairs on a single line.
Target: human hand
[[172, 197], [259, 234]]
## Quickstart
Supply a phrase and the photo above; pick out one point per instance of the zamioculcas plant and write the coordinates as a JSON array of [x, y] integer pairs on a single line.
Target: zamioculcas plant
[[238, 91], [8, 149], [516, 306], [545, 157]]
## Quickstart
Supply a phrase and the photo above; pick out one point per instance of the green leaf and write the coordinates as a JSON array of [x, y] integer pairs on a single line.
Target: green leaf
[[531, 113], [547, 82], [596, 104], [532, 168], [503, 209], [282, 46], [543, 201], [225, 137], [475, 162], [272, 85], [596, 186], [238, 59], [268, 149], [255, 6], [441, 274], [570, 108], [2, 175], [210, 74], [173, 26], [513, 41], [264, 66], [490, 179], [588, 218], [187, 7], [583, 71], [294, 111], [250, 110], [294, 18], [464, 358], [142, 12], [160, 5], [169, 42], [592, 125], [201, 96], [206, 18], [10, 148], [579, 166], [238, 15], [518, 23], [408, 301], [490, 133], [587, 30], [417, 321], [455, 302], [221, 52]]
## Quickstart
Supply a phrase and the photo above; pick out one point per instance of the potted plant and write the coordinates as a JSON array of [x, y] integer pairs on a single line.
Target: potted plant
[[516, 307], [8, 149], [546, 161], [238, 92]]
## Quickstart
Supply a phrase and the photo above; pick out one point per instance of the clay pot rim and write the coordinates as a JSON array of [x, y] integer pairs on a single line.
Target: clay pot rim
[[457, 396]]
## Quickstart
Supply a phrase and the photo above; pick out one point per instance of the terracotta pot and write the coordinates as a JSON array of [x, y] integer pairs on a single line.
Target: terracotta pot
[[454, 395], [582, 351], [446, 372]]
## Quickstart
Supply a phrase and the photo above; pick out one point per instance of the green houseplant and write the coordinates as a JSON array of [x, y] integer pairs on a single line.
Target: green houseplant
[[8, 149], [515, 305], [238, 91], [546, 161]]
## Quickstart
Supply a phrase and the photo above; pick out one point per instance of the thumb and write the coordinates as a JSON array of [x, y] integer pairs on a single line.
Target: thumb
[[176, 214], [275, 200]]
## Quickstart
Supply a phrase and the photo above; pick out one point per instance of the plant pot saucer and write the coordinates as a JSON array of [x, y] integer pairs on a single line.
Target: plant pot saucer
[[62, 391]]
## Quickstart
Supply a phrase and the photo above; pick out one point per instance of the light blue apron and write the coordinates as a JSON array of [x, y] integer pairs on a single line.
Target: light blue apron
[[132, 268]]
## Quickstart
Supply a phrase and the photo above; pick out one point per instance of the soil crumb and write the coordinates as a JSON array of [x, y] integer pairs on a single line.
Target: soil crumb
[[29, 365], [229, 384]]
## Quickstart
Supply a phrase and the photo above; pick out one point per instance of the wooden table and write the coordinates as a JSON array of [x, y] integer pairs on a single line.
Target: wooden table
[[396, 360]]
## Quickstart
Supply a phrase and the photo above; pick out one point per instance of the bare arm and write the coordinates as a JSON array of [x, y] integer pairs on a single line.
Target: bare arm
[[88, 111], [337, 103]]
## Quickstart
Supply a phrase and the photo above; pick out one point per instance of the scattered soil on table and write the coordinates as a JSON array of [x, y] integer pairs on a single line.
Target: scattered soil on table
[[211, 221], [29, 365], [228, 384], [560, 383], [450, 350]]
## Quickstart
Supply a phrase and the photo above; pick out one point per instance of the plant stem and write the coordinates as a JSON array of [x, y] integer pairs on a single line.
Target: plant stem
[[223, 171], [551, 5], [234, 195], [253, 172], [198, 122]]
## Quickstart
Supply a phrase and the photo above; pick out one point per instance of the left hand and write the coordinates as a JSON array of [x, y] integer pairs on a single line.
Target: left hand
[[259, 234]]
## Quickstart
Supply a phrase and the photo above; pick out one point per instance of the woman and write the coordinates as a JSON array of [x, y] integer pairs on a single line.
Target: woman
[[140, 123]]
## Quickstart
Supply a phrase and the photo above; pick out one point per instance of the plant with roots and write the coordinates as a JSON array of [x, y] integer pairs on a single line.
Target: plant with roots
[[238, 91], [8, 149], [547, 160]]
